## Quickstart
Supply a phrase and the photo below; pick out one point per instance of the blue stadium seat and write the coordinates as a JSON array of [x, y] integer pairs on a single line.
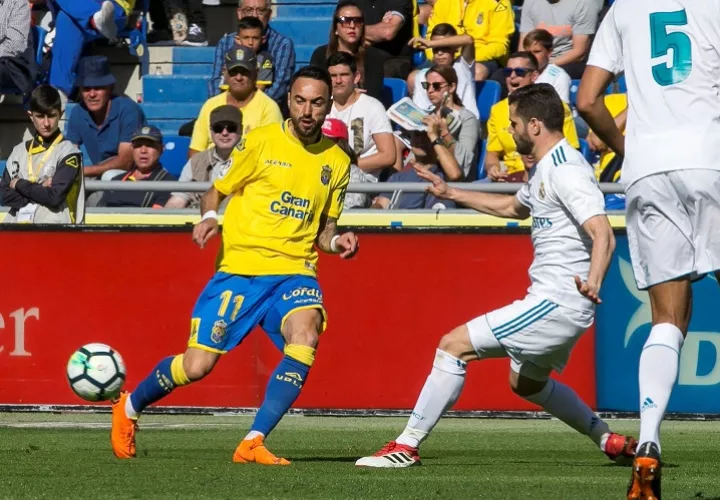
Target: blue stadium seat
[[419, 57], [482, 149], [487, 93], [137, 35], [589, 155], [574, 86], [618, 86], [174, 156], [2, 167], [393, 90]]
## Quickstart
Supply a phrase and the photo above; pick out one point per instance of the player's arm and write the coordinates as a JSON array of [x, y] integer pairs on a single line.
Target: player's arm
[[208, 225], [499, 205], [591, 106], [330, 241], [599, 229]]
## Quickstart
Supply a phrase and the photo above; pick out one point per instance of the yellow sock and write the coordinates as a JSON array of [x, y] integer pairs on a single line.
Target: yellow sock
[[301, 353], [177, 371]]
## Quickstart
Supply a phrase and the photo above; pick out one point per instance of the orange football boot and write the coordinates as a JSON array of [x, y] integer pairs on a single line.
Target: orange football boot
[[253, 450], [122, 436]]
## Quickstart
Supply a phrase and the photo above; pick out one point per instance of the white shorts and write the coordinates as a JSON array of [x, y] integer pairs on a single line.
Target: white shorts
[[671, 220], [535, 333]]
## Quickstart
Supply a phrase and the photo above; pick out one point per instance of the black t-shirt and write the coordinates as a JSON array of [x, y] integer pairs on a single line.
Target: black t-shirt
[[373, 12], [138, 198], [374, 62]]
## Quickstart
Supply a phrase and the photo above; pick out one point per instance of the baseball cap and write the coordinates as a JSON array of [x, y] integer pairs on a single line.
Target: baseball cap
[[226, 114], [240, 56], [148, 132], [335, 129]]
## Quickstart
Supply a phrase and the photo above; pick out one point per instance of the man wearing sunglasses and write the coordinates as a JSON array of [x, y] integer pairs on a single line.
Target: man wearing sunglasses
[[258, 109], [502, 162], [225, 127]]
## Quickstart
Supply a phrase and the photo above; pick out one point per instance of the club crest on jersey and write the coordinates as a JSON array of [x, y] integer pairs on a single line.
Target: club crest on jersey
[[542, 190], [325, 175], [240, 145], [480, 18], [219, 330]]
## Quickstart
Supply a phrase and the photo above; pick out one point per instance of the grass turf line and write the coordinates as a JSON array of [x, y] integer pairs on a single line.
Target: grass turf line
[[189, 457]]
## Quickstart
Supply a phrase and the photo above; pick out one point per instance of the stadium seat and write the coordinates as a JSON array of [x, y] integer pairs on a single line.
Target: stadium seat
[[2, 166], [394, 89], [618, 86], [175, 153], [487, 93], [136, 33], [574, 86], [419, 57], [589, 155], [482, 149]]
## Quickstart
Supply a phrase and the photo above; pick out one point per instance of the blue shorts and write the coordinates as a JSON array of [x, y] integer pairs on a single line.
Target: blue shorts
[[231, 305]]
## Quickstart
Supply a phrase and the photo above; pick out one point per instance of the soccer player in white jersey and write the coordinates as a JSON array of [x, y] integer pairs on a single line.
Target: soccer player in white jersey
[[670, 53], [573, 244]]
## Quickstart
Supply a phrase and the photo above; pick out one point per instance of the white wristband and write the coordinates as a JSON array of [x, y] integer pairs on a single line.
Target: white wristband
[[210, 214], [333, 243]]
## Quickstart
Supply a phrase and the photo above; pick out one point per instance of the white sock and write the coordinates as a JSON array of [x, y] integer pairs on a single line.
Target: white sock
[[564, 404], [130, 410], [441, 390], [658, 371], [253, 435], [105, 20]]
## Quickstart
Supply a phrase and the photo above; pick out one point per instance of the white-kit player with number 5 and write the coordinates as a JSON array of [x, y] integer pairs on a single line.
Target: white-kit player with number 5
[[573, 244], [670, 53]]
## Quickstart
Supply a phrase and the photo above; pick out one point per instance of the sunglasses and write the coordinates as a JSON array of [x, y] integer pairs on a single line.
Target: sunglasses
[[346, 20], [436, 86], [518, 71], [218, 128]]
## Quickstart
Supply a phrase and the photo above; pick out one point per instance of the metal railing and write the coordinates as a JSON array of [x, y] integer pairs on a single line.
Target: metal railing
[[353, 187]]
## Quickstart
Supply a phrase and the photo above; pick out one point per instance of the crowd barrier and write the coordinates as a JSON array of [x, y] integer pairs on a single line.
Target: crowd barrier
[[134, 288]]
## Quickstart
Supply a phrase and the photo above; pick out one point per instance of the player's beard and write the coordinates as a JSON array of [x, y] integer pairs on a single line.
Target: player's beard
[[523, 144], [306, 133]]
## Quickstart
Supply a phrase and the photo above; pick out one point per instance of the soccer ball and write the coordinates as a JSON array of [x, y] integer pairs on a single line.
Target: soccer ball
[[96, 372]]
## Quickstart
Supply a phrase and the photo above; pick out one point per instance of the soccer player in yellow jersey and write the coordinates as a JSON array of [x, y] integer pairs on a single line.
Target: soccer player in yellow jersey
[[288, 183]]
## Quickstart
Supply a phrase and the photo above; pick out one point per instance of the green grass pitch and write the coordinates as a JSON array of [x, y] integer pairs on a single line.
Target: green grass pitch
[[68, 456]]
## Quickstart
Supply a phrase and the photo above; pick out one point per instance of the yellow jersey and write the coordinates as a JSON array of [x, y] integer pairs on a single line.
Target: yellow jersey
[[500, 139], [280, 188], [491, 23], [260, 111]]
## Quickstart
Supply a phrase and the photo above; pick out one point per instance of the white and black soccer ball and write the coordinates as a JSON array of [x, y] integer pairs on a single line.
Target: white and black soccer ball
[[96, 372]]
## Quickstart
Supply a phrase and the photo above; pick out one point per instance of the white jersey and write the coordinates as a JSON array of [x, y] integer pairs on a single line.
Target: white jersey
[[558, 78], [670, 52], [562, 194], [465, 87]]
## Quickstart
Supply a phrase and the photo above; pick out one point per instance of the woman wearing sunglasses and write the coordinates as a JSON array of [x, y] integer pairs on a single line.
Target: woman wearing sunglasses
[[459, 129], [347, 34]]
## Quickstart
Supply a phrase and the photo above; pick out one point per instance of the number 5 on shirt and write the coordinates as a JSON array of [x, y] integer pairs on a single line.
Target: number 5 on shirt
[[661, 42]]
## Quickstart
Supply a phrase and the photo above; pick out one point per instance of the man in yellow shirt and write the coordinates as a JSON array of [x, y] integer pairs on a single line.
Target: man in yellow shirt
[[502, 161], [617, 106], [491, 23], [287, 183], [256, 107]]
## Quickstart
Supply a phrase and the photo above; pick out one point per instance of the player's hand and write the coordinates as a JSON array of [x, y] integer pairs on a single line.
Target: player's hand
[[349, 245], [439, 188], [418, 42], [204, 230], [592, 292]]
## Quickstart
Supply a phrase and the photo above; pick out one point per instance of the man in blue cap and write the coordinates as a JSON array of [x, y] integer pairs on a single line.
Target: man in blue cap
[[103, 122], [78, 22], [147, 146]]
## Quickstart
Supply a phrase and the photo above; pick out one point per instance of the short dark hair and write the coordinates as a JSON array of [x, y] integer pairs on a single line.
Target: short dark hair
[[541, 36], [45, 98], [314, 73], [443, 29], [342, 58], [247, 23], [529, 56], [540, 101]]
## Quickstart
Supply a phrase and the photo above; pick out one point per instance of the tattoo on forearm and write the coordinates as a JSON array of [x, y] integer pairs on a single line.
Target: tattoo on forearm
[[328, 229]]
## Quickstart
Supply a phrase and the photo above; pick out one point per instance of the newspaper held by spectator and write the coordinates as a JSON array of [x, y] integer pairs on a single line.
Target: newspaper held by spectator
[[407, 114]]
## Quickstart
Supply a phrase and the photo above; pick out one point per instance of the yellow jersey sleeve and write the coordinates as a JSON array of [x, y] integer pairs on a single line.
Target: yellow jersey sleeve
[[336, 201], [569, 128], [200, 140], [493, 141], [272, 114], [243, 166]]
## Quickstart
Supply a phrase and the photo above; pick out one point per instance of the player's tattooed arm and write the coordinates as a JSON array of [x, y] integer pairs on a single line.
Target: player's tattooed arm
[[330, 241]]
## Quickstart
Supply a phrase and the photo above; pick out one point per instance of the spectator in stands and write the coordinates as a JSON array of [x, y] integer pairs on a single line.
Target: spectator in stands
[[43, 181], [389, 27], [225, 129], [502, 161], [459, 129], [338, 132], [347, 34], [540, 43], [147, 146], [490, 23], [78, 22], [445, 43], [257, 108], [371, 136], [17, 61], [428, 151], [572, 24], [250, 33], [279, 46], [103, 122]]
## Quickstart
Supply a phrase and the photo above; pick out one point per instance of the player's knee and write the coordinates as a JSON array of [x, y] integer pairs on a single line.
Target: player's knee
[[303, 328], [197, 366], [525, 387], [457, 343]]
